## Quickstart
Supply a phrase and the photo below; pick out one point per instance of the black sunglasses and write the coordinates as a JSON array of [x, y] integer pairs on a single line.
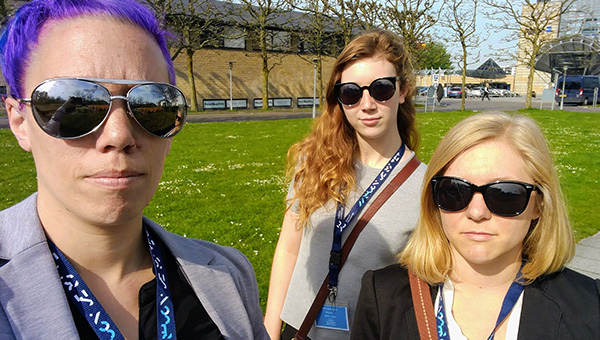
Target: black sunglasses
[[69, 108], [503, 198], [381, 89]]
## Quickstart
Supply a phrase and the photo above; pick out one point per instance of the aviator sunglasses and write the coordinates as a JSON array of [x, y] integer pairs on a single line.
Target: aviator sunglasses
[[381, 89], [503, 198], [69, 108]]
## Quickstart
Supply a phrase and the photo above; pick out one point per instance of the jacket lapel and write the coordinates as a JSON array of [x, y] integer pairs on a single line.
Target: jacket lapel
[[30, 290], [33, 298], [540, 315]]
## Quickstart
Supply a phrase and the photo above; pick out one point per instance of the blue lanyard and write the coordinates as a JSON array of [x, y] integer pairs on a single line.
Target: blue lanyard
[[86, 303], [508, 304], [342, 222]]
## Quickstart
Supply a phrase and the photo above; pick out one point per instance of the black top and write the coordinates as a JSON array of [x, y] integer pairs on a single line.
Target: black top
[[561, 306], [191, 319]]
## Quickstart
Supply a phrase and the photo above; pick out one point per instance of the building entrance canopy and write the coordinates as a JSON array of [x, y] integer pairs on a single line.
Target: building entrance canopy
[[581, 55]]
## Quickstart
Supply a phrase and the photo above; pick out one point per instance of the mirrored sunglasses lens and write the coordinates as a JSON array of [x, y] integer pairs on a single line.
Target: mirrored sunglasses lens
[[451, 194], [382, 89], [159, 108], [349, 94], [69, 108], [509, 199]]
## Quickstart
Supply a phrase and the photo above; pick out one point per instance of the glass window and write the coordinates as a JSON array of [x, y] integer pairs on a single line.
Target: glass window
[[234, 38]]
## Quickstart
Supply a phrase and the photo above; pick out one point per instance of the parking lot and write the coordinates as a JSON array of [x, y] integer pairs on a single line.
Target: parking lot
[[499, 103]]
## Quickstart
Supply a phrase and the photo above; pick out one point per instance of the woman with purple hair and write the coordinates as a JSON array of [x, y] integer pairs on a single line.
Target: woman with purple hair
[[92, 97]]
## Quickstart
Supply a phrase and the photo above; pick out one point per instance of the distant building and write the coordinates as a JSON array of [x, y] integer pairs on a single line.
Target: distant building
[[573, 42], [584, 19], [291, 74], [292, 69]]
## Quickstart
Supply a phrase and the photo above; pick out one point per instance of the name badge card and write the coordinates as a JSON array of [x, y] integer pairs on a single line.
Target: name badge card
[[333, 317]]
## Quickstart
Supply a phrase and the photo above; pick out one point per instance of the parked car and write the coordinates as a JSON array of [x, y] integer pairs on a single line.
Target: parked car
[[579, 90], [476, 92], [495, 93], [455, 92], [504, 93], [421, 90]]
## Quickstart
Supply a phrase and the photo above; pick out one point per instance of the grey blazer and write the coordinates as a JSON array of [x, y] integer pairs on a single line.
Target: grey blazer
[[34, 306]]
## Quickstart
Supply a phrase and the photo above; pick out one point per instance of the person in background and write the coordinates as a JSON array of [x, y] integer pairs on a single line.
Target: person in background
[[492, 242], [486, 92], [367, 130], [439, 93], [92, 98]]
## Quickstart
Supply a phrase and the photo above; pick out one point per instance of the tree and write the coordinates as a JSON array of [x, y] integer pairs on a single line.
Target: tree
[[461, 22], [7, 8], [531, 18], [434, 55], [316, 35], [344, 15], [412, 19], [3, 10], [257, 18], [370, 13], [196, 24]]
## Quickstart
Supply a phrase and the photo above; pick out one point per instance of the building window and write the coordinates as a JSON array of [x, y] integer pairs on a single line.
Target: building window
[[280, 40], [234, 38]]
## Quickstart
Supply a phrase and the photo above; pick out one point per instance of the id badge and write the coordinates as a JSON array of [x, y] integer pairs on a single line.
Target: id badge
[[333, 317]]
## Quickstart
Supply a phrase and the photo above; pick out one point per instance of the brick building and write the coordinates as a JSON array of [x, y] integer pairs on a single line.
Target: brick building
[[290, 79]]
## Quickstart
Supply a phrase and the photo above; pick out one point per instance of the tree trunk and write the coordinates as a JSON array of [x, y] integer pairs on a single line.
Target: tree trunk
[[529, 88], [265, 68], [464, 77], [190, 72], [265, 84], [320, 80], [534, 52]]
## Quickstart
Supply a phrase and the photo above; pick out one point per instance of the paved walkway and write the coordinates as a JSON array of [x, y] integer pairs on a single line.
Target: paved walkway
[[587, 257]]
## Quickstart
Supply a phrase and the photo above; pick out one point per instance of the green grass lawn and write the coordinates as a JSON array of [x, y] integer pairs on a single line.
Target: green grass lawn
[[224, 182]]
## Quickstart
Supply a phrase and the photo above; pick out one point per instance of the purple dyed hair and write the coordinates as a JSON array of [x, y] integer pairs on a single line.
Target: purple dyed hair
[[21, 33]]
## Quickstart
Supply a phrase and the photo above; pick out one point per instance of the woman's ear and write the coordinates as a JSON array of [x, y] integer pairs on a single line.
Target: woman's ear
[[402, 95], [538, 206], [17, 122]]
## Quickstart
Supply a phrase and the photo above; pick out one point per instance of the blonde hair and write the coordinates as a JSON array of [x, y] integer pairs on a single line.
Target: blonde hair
[[322, 165], [549, 244]]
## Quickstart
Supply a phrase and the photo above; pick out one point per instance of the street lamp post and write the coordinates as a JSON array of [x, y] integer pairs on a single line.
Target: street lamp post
[[314, 112], [231, 85], [555, 87], [562, 95]]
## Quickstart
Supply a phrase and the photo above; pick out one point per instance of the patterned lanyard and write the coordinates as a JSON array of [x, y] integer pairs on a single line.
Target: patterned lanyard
[[86, 303], [342, 222], [508, 304]]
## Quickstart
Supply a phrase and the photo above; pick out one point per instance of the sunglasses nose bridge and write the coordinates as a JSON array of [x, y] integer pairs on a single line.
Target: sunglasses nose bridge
[[477, 207], [367, 99], [119, 97], [124, 98]]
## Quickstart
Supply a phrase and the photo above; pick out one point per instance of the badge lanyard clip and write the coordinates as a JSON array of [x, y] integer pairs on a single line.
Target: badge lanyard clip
[[332, 294]]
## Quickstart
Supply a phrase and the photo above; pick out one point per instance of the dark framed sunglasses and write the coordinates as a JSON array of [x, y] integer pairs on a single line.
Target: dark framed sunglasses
[[69, 108], [503, 198], [381, 89]]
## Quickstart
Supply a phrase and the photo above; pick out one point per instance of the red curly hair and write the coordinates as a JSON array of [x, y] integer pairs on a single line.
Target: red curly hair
[[322, 164]]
